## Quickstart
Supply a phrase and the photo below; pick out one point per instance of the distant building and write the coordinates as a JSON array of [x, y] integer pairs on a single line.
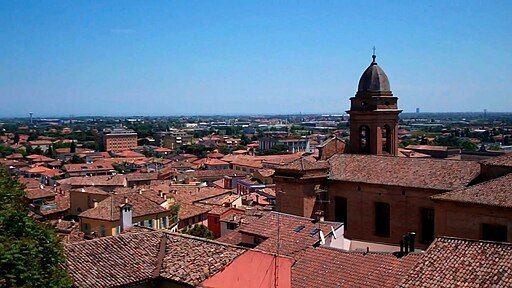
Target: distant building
[[174, 140], [294, 144], [119, 139]]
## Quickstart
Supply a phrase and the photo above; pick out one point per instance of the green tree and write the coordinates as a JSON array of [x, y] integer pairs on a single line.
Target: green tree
[[494, 147], [76, 160], [244, 140], [31, 254], [224, 150], [467, 145], [276, 150], [72, 147], [199, 230]]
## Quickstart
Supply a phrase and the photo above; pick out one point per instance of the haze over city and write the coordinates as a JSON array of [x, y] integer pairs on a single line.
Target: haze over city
[[228, 57]]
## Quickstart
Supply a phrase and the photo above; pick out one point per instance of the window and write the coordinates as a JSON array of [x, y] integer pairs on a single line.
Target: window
[[340, 210], [299, 228], [494, 232], [164, 222], [382, 219], [85, 228], [118, 230], [103, 233], [386, 139], [364, 139], [231, 226], [427, 225]]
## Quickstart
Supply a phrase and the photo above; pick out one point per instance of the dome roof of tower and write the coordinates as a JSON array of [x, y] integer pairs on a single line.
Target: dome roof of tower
[[373, 79]]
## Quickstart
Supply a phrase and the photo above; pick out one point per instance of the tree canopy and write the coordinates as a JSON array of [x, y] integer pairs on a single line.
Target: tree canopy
[[31, 254], [200, 230]]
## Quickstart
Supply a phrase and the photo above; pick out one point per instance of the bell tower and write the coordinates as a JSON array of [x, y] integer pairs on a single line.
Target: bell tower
[[374, 115]]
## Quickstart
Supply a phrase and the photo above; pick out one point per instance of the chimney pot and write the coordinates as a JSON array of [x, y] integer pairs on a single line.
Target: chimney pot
[[412, 237], [125, 199]]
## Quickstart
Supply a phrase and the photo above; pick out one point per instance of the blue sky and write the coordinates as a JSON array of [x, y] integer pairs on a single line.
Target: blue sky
[[249, 57]]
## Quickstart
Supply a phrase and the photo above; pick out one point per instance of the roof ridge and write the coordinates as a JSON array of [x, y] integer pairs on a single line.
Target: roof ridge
[[202, 239], [365, 252], [472, 240], [110, 237], [160, 256]]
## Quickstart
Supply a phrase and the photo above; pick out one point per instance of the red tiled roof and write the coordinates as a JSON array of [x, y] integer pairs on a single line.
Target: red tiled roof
[[39, 158], [60, 204], [453, 262], [137, 176], [191, 194], [404, 172], [220, 173], [291, 242], [99, 165], [504, 160], [109, 208], [496, 192], [135, 258], [192, 260], [100, 180], [129, 154], [38, 193], [113, 261], [190, 210], [333, 268], [211, 162], [304, 164]]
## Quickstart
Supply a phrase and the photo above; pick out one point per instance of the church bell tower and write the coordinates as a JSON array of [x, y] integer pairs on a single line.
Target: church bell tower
[[374, 115]]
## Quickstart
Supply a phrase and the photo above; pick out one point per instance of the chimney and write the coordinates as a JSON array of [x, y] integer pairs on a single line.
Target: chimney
[[126, 215], [412, 237], [125, 200], [95, 203], [406, 244]]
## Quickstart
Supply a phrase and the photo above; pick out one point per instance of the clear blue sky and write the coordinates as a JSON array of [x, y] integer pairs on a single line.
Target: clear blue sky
[[249, 57]]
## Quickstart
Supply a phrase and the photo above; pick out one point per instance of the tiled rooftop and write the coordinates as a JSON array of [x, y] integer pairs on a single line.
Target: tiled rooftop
[[139, 257], [504, 160], [109, 208], [332, 268], [452, 262], [496, 192], [404, 172]]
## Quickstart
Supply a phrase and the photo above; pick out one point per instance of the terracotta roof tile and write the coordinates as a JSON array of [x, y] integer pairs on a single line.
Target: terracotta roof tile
[[291, 242], [140, 257], [333, 268], [401, 171], [109, 210], [452, 262], [504, 160], [496, 192]]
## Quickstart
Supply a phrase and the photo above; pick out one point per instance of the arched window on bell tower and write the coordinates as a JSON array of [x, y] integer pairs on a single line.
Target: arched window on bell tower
[[364, 139], [386, 139]]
